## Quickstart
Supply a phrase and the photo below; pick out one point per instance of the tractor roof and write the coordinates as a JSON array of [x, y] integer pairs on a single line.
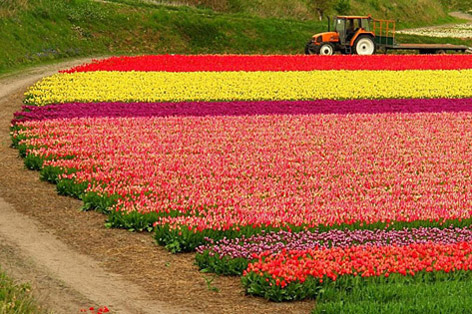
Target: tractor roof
[[349, 17]]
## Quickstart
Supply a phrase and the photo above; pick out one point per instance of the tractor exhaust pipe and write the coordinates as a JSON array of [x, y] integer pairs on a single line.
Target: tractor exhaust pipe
[[329, 23]]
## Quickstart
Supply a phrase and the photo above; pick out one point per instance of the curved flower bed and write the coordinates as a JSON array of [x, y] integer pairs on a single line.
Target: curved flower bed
[[250, 155], [223, 173]]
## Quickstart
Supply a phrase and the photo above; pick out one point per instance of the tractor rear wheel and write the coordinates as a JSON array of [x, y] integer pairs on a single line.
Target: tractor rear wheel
[[311, 48], [326, 49], [364, 45]]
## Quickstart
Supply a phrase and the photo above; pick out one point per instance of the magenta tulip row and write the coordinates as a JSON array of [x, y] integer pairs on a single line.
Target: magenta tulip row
[[274, 242], [119, 109]]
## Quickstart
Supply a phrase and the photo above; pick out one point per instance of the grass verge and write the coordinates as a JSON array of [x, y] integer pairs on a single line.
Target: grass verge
[[347, 291], [16, 298]]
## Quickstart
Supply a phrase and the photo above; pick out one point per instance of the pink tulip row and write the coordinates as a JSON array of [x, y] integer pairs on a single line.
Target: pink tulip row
[[271, 170]]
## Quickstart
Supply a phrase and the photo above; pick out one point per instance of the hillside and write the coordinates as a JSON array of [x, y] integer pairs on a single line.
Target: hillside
[[463, 5], [404, 11], [38, 31], [45, 30]]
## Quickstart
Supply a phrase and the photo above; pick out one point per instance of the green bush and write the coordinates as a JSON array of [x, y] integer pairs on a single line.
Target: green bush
[[343, 7]]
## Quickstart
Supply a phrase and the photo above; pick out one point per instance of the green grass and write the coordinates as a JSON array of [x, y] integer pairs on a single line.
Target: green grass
[[439, 297], [56, 29], [16, 299], [41, 31]]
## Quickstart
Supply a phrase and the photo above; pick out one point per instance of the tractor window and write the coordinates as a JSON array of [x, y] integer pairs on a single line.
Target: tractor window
[[357, 23], [340, 25], [350, 26], [365, 24]]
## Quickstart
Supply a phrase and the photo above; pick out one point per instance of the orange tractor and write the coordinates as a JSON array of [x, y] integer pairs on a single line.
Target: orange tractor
[[364, 35], [352, 35]]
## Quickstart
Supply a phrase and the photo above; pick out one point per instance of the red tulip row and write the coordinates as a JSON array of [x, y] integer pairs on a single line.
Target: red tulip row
[[249, 63], [292, 269]]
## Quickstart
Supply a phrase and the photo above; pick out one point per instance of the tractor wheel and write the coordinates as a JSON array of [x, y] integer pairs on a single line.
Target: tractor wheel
[[364, 45], [326, 49], [311, 49]]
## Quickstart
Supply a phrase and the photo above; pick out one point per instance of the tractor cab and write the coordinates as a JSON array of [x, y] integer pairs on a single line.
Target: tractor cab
[[351, 35], [347, 27]]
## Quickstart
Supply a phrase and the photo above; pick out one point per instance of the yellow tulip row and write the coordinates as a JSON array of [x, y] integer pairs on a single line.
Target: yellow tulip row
[[215, 86]]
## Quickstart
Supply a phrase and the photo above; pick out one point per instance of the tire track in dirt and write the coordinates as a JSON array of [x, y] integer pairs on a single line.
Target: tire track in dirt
[[80, 274], [461, 15], [66, 280]]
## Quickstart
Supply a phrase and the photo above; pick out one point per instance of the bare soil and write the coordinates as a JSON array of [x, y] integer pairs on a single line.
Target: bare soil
[[461, 15], [75, 262]]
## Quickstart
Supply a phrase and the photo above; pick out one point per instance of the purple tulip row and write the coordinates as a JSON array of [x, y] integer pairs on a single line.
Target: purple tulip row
[[369, 106], [276, 241]]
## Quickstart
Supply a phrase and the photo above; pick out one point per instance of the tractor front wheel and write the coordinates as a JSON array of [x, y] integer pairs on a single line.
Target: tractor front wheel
[[364, 45], [326, 49]]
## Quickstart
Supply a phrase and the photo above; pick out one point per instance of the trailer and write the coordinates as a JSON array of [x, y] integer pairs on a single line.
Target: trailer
[[430, 48], [364, 35]]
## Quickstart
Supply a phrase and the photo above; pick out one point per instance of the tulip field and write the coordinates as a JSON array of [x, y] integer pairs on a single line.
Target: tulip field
[[298, 173]]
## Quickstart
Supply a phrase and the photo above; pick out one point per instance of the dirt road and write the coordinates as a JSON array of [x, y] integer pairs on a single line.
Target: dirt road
[[74, 262], [84, 282], [66, 280], [461, 15]]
